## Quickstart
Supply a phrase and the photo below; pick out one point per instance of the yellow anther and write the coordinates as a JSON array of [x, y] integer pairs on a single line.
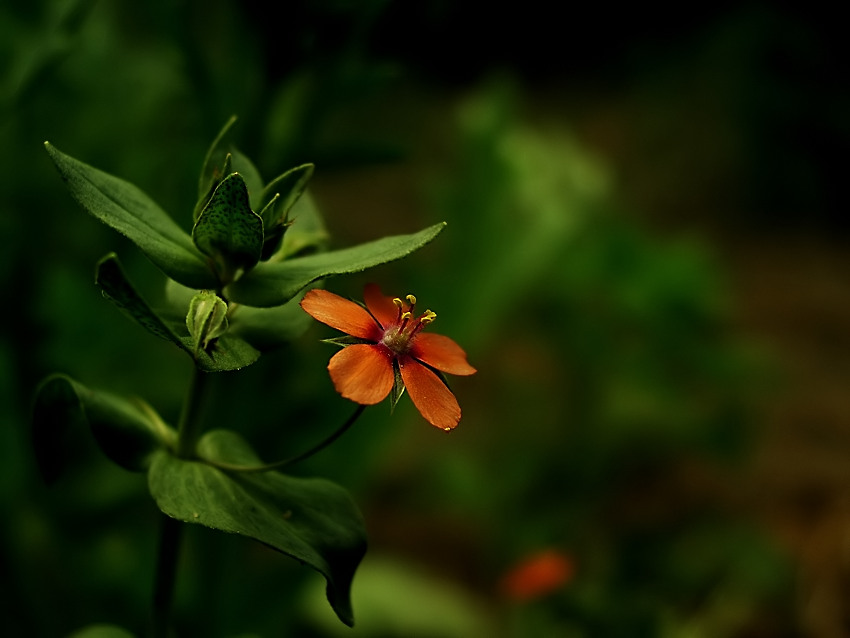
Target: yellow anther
[[428, 316], [411, 300], [398, 303], [405, 316]]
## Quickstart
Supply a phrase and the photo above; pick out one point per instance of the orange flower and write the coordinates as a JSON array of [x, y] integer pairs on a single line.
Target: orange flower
[[537, 575], [389, 351]]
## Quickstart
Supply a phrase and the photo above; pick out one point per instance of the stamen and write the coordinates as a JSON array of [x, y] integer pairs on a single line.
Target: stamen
[[411, 300], [426, 318], [400, 305]]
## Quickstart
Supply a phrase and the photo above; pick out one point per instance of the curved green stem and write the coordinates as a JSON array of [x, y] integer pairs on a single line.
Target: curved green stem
[[268, 467]]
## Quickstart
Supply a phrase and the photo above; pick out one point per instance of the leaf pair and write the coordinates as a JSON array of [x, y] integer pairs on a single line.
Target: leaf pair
[[228, 250], [312, 520], [128, 210]]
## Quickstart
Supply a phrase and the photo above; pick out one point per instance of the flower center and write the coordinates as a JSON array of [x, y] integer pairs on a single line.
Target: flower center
[[399, 336]]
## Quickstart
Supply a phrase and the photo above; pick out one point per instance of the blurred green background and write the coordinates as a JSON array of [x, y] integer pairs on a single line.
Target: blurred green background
[[645, 260]]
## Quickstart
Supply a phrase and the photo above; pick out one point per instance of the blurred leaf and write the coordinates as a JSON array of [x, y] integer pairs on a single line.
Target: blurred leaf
[[227, 353], [307, 231], [102, 631], [228, 231], [272, 284], [125, 208], [127, 431], [398, 598], [311, 520]]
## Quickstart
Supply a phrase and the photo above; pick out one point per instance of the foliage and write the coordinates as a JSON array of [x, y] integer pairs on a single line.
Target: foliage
[[196, 479], [612, 418]]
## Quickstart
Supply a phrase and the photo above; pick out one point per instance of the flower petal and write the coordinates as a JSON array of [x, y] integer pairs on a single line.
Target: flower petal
[[340, 313], [442, 353], [381, 306], [429, 394], [362, 373]]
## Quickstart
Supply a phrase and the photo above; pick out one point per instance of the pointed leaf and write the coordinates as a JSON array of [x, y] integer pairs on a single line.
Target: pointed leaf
[[253, 181], [113, 283], [273, 233], [223, 150], [216, 157], [290, 186], [311, 520], [128, 432], [275, 283], [225, 170], [227, 353], [279, 197], [398, 387], [132, 213], [228, 230], [307, 232]]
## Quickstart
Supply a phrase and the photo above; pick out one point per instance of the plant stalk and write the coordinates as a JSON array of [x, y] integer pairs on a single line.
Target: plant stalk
[[188, 432]]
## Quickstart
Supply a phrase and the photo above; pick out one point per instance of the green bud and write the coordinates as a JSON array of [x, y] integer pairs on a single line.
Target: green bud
[[228, 231], [207, 319]]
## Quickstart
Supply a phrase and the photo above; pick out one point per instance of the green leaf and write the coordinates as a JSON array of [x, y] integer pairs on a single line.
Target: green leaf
[[311, 520], [398, 387], [289, 186], [128, 431], [267, 328], [307, 232], [215, 180], [211, 171], [227, 353], [279, 197], [275, 283], [245, 167], [223, 153], [228, 230], [102, 631], [132, 213], [263, 328]]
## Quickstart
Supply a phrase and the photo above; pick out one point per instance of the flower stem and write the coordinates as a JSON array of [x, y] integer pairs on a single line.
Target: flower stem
[[166, 573], [188, 432], [189, 426], [268, 467]]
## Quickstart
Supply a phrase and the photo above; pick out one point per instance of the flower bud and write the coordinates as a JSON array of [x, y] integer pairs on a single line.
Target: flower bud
[[206, 319]]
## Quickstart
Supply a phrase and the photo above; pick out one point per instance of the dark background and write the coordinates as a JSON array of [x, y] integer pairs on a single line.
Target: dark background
[[645, 260]]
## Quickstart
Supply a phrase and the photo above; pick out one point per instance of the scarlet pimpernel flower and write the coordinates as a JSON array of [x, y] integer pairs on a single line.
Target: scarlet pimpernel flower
[[388, 351]]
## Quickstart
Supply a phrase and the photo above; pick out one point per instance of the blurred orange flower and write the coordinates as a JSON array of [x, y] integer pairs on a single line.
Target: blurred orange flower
[[537, 575], [389, 350]]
